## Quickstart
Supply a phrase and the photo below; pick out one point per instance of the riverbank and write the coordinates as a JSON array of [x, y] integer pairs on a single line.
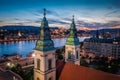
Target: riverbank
[[14, 40]]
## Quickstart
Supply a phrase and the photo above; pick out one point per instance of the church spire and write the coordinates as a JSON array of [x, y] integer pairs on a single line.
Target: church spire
[[72, 38], [72, 46], [44, 12], [44, 43], [73, 19], [97, 33]]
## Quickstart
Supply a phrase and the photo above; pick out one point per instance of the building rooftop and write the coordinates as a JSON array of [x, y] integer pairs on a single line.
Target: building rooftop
[[8, 75], [76, 72], [102, 40]]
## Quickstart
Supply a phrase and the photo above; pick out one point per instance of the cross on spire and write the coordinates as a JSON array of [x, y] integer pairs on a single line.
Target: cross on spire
[[44, 12]]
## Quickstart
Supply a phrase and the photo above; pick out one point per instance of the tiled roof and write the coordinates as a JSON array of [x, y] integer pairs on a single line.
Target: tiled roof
[[7, 75], [100, 40], [75, 72], [60, 66]]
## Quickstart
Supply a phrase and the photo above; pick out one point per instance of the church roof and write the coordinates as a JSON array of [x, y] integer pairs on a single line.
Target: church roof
[[72, 39], [44, 43], [76, 72]]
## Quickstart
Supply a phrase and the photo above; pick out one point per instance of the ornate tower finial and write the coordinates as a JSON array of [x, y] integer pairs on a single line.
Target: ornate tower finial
[[44, 12], [73, 17]]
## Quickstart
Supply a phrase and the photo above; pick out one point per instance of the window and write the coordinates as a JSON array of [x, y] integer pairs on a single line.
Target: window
[[50, 78], [38, 63], [69, 55], [38, 78], [77, 56], [49, 63]]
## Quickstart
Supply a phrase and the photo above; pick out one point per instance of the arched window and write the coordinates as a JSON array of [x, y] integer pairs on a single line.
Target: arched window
[[50, 78], [69, 54], [50, 64], [38, 63], [77, 56], [38, 78]]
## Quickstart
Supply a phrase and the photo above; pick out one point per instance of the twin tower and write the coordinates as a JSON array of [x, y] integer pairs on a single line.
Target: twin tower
[[45, 60]]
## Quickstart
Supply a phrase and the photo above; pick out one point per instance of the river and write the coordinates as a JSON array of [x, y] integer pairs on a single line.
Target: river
[[25, 47]]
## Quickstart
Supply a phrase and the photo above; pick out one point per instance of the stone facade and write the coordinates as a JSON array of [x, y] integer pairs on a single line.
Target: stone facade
[[106, 47], [44, 60], [72, 46], [72, 54], [42, 69]]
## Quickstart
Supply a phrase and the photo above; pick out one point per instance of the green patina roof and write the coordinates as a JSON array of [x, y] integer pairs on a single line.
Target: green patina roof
[[72, 39], [44, 43]]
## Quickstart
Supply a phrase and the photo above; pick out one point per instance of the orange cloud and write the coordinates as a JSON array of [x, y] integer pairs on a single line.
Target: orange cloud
[[85, 28]]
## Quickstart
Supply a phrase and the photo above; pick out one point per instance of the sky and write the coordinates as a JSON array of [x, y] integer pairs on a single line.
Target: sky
[[89, 14]]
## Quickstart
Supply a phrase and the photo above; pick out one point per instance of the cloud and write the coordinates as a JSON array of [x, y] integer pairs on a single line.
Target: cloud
[[82, 23], [49, 12], [1, 21], [109, 14], [67, 19], [38, 20], [16, 19], [53, 21], [110, 24]]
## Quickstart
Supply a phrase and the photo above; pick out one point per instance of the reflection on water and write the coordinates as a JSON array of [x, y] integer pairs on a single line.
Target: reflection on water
[[21, 47], [59, 42], [24, 47]]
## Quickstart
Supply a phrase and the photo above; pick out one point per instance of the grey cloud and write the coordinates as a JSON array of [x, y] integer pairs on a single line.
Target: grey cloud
[[51, 21], [38, 20], [98, 25], [67, 19], [49, 12], [112, 12], [1, 21], [16, 19], [112, 24]]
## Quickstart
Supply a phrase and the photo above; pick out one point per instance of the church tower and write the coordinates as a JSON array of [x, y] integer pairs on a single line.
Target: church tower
[[44, 60], [97, 33], [72, 46]]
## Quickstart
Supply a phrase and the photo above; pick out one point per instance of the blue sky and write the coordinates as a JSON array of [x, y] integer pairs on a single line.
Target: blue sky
[[89, 14]]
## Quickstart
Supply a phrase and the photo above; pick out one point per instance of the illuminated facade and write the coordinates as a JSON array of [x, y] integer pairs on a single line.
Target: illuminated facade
[[72, 46], [44, 61]]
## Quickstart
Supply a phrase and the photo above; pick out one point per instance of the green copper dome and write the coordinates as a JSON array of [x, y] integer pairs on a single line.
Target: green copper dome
[[44, 43], [72, 38]]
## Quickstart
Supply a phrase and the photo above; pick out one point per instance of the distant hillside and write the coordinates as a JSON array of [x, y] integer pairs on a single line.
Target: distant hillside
[[115, 30], [19, 27], [23, 28], [37, 29]]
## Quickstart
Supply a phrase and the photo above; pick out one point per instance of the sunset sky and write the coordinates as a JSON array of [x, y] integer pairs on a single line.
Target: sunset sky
[[89, 14]]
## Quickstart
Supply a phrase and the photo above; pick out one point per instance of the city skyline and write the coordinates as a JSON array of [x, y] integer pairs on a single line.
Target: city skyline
[[89, 14]]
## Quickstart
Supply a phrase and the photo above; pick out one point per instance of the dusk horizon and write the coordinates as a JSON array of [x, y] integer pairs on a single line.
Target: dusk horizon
[[89, 14]]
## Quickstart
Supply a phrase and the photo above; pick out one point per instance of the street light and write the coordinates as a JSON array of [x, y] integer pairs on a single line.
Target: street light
[[33, 55], [8, 64]]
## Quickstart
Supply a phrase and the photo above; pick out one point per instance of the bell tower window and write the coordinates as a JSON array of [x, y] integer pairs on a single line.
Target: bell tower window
[[38, 79], [77, 55], [69, 55], [50, 64], [50, 78], [38, 63]]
